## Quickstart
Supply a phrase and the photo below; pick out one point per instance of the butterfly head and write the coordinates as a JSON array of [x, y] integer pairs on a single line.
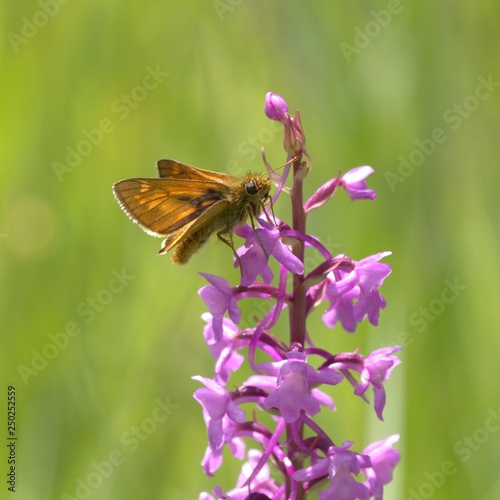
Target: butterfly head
[[257, 187]]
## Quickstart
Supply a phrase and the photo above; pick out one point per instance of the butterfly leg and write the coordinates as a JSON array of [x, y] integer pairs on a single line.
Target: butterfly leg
[[256, 233], [229, 242], [273, 220]]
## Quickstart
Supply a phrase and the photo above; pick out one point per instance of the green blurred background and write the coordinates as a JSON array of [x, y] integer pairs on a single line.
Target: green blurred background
[[378, 83]]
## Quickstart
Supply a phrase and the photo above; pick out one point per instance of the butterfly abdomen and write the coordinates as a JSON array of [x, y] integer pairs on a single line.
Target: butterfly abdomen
[[188, 246]]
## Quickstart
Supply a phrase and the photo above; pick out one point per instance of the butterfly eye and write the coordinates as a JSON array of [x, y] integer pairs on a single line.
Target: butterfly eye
[[251, 188]]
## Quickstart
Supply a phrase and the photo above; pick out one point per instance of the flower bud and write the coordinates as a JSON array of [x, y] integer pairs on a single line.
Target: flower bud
[[294, 137], [275, 107]]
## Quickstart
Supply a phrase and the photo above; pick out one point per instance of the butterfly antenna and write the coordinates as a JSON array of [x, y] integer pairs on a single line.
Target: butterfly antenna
[[272, 170]]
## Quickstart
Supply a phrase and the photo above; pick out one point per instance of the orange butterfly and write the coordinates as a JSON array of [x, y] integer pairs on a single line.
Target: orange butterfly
[[187, 204]]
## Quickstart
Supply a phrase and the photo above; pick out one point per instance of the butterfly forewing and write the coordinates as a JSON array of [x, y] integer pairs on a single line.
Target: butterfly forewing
[[161, 206]]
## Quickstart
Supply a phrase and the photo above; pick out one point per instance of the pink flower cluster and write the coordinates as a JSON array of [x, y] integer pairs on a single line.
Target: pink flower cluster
[[289, 378]]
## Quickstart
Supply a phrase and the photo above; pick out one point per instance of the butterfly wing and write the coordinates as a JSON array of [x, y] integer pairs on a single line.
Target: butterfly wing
[[163, 206], [206, 223], [171, 169]]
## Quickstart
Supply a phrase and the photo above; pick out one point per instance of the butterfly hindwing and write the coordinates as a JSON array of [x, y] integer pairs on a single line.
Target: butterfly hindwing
[[205, 220]]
